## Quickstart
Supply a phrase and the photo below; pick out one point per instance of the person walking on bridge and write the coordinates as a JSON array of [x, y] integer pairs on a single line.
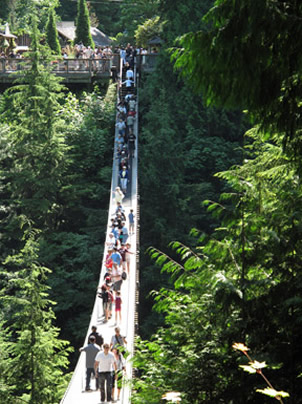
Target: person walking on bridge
[[99, 340], [124, 177], [105, 364], [117, 340], [119, 196], [91, 350]]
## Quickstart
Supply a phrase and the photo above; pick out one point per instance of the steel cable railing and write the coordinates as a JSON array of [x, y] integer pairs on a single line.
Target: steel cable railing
[[74, 393]]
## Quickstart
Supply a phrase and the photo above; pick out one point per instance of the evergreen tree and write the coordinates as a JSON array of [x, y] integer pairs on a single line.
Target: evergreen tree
[[240, 59], [83, 33], [21, 12], [196, 142], [52, 33], [6, 389], [37, 355], [229, 288], [74, 250], [34, 170], [146, 31], [4, 11]]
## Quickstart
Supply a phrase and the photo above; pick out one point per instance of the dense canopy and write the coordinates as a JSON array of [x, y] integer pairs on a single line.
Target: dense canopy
[[220, 200]]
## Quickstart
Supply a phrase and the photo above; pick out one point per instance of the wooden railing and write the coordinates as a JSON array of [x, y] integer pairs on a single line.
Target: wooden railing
[[91, 67], [61, 66], [72, 70]]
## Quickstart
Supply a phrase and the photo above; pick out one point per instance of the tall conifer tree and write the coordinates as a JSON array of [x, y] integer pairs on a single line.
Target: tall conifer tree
[[52, 33], [37, 154], [36, 354], [83, 25]]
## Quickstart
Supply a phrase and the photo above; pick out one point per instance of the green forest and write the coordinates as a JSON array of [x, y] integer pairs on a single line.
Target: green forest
[[220, 145]]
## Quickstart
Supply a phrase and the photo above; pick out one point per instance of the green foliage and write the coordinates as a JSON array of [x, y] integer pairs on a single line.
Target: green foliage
[[256, 367], [240, 59], [56, 158], [6, 390], [52, 33], [108, 16], [230, 285], [149, 29], [135, 13], [67, 10], [4, 11], [180, 17], [21, 13], [195, 143], [34, 167], [83, 25], [74, 250], [37, 355]]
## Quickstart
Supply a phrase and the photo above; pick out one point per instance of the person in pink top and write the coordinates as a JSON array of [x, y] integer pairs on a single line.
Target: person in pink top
[[118, 308]]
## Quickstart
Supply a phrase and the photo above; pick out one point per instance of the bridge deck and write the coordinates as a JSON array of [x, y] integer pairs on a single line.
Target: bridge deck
[[75, 394]]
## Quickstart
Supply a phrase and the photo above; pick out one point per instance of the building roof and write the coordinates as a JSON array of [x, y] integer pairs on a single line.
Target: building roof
[[155, 41], [67, 30], [6, 33]]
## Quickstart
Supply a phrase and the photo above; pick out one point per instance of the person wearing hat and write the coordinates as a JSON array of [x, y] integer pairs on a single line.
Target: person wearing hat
[[119, 196]]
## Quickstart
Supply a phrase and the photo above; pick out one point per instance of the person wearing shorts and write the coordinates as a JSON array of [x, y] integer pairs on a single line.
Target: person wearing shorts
[[118, 308], [116, 276], [117, 381]]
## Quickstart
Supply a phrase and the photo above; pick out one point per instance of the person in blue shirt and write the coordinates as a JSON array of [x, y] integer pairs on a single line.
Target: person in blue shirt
[[116, 257], [131, 222], [125, 233]]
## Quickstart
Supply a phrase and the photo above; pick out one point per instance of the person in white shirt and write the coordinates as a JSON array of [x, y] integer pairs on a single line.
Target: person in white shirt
[[111, 242], [121, 127], [119, 196], [105, 364]]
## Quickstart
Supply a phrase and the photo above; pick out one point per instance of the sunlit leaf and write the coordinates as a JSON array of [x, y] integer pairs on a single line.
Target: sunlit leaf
[[272, 392], [240, 347], [248, 369]]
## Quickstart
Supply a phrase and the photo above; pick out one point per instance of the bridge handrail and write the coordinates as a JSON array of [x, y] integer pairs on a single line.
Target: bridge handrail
[[73, 394], [61, 66], [146, 61]]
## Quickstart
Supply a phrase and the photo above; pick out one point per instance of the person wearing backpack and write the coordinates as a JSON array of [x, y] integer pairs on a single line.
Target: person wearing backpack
[[99, 340], [107, 297]]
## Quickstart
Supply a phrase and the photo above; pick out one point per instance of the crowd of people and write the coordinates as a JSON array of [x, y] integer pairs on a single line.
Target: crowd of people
[[125, 140], [105, 52], [80, 58], [105, 361]]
